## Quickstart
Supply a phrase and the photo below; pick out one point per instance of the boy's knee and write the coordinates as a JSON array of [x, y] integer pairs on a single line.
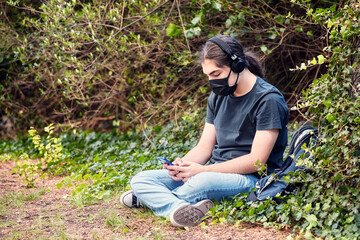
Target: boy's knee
[[139, 177], [193, 187], [145, 177]]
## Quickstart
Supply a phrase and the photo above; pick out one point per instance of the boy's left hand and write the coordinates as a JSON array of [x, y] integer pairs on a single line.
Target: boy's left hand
[[187, 170]]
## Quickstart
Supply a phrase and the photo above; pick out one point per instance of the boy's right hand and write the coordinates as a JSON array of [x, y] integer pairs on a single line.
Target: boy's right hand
[[172, 173]]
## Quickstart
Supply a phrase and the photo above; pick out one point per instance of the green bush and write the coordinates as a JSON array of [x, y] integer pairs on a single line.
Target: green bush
[[327, 204], [95, 63], [334, 103]]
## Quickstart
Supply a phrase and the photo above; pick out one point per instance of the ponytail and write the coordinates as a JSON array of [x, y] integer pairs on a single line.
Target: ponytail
[[254, 65]]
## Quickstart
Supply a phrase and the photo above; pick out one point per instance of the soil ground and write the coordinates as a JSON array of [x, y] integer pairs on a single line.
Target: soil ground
[[45, 212]]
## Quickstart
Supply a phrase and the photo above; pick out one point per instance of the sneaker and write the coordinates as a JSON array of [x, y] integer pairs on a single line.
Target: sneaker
[[190, 215], [128, 199]]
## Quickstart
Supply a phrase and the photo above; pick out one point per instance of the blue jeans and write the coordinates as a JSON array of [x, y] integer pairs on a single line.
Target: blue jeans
[[158, 191]]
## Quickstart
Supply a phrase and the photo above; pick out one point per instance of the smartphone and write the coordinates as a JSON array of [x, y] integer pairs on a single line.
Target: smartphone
[[164, 160]]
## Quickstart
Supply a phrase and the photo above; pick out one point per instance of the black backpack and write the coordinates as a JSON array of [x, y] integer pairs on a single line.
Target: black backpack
[[271, 185]]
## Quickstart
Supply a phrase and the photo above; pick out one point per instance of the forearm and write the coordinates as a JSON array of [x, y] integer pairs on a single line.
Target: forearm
[[241, 165], [198, 154], [260, 151]]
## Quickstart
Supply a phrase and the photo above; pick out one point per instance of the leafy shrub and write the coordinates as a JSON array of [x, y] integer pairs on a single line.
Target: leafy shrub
[[90, 63], [327, 204], [50, 150], [333, 102]]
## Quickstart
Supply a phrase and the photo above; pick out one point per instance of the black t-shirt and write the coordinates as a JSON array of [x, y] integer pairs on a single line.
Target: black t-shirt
[[237, 119]]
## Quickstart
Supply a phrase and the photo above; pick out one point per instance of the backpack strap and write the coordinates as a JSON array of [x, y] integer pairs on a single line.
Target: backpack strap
[[301, 136]]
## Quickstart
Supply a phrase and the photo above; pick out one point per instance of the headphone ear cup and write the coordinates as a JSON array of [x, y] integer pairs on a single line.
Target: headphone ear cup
[[237, 65]]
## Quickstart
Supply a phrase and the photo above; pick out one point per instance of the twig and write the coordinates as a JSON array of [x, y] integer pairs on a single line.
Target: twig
[[121, 29], [182, 24]]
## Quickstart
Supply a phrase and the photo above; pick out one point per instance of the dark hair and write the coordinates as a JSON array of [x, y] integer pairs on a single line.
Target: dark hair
[[211, 50]]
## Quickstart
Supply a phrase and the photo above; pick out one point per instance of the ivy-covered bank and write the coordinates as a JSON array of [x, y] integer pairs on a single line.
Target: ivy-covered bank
[[107, 159], [326, 204]]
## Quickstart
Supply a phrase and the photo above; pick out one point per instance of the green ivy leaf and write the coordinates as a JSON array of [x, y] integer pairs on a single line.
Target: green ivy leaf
[[251, 211], [287, 178], [216, 6], [279, 18], [263, 48], [350, 219], [337, 177], [307, 207], [357, 120], [308, 235], [172, 30], [313, 62], [330, 117], [272, 36], [196, 19], [228, 22], [327, 102], [321, 59], [312, 219]]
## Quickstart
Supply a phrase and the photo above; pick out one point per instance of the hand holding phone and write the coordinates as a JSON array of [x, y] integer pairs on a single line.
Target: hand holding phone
[[164, 160]]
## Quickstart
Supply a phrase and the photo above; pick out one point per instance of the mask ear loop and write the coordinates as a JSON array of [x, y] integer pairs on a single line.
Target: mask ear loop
[[237, 78], [228, 77]]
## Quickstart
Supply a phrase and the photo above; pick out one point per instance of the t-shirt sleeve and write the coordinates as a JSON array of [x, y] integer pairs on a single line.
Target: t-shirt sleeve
[[210, 112], [272, 113]]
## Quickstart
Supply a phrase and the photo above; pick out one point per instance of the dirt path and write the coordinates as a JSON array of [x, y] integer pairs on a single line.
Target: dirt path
[[45, 212]]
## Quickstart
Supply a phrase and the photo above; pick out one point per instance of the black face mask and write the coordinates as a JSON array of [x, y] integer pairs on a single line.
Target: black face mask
[[221, 86]]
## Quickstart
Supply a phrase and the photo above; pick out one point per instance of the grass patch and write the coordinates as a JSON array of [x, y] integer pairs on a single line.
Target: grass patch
[[114, 221], [17, 199], [3, 209], [54, 223], [6, 224], [17, 235], [83, 199]]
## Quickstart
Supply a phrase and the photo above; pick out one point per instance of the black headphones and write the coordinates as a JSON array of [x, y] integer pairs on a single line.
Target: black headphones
[[238, 64]]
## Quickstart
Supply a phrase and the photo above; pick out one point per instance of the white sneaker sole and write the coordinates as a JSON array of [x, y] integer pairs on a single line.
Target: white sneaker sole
[[190, 215]]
